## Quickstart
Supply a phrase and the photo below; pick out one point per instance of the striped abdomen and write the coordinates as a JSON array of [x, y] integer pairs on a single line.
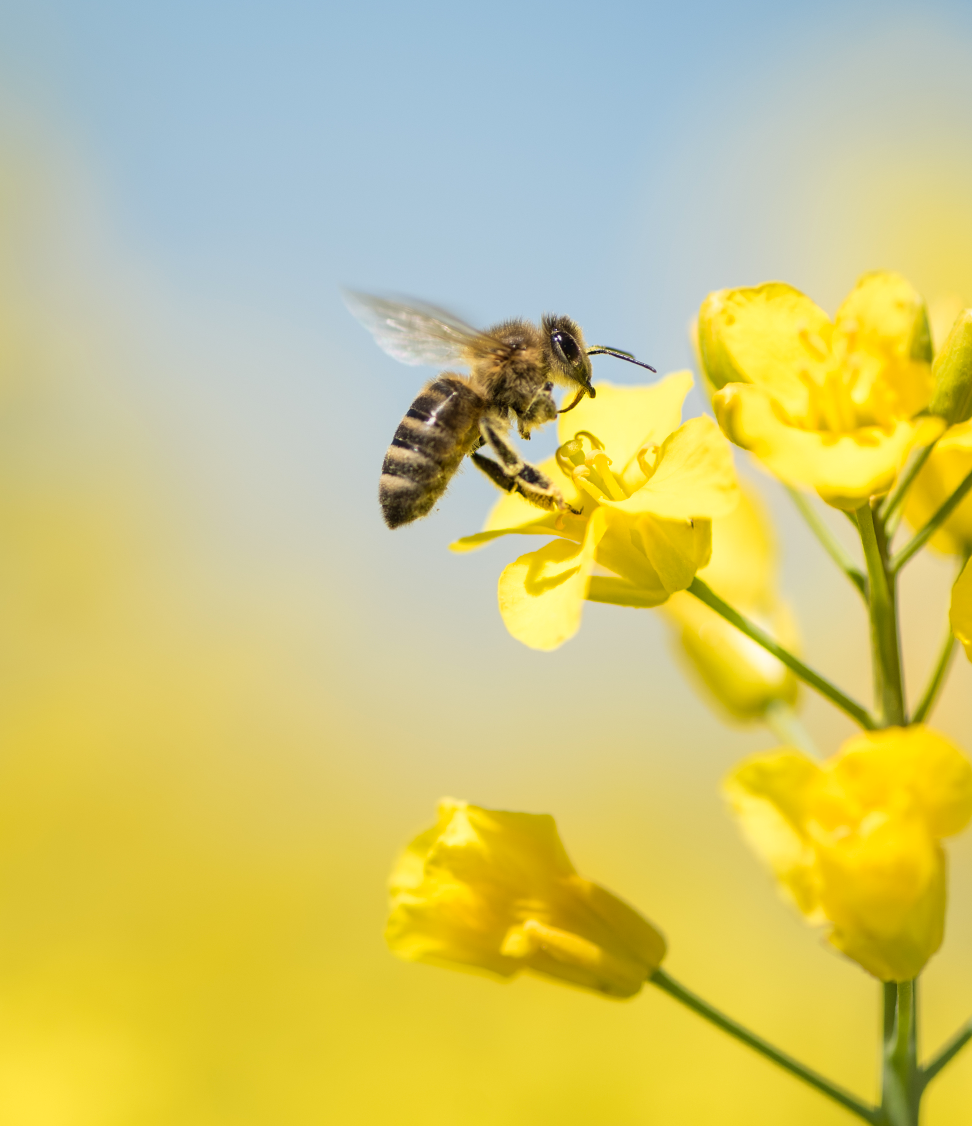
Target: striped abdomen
[[440, 428]]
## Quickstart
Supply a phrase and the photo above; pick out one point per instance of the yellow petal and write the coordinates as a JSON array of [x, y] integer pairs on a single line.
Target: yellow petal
[[908, 771], [769, 795], [627, 418], [881, 332], [960, 613], [767, 335], [950, 462], [541, 595], [694, 476], [883, 312], [621, 551], [676, 549], [884, 892], [743, 561], [845, 469], [494, 891], [619, 592]]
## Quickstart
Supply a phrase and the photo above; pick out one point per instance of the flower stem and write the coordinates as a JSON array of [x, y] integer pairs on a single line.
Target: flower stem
[[785, 724], [947, 1053], [888, 687], [834, 548], [902, 1082], [757, 1043], [911, 470], [937, 679], [918, 542], [707, 595]]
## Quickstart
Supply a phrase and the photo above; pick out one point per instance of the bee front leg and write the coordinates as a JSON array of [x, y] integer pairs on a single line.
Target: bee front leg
[[513, 474]]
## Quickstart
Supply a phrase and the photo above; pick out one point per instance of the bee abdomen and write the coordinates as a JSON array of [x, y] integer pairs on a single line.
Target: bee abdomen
[[436, 433]]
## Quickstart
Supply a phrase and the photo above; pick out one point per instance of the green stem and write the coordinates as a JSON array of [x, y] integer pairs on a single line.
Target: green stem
[[757, 1043], [902, 1081], [834, 548], [705, 594], [918, 542], [892, 501], [785, 724], [888, 687], [934, 686], [947, 1053]]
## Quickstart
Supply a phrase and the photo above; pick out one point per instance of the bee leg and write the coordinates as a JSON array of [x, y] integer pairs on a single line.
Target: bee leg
[[513, 474]]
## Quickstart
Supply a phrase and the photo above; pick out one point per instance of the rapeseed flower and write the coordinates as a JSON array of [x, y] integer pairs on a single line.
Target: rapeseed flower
[[947, 466], [495, 891], [833, 405], [743, 677], [647, 489], [855, 842]]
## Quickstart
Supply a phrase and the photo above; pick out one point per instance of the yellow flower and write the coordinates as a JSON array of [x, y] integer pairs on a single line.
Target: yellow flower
[[948, 464], [648, 489], [740, 674], [855, 842], [828, 404], [960, 613], [495, 891]]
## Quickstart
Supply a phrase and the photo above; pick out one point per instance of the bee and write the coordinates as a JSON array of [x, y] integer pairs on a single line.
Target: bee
[[513, 368]]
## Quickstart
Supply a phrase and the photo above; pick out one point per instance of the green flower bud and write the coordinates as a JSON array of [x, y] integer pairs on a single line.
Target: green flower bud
[[952, 372]]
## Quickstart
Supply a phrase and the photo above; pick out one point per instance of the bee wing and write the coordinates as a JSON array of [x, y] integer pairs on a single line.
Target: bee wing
[[416, 333]]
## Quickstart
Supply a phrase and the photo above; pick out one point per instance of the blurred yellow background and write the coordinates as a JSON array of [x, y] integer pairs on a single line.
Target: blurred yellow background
[[229, 697]]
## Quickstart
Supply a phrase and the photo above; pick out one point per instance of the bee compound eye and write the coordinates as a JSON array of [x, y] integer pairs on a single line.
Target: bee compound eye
[[565, 346]]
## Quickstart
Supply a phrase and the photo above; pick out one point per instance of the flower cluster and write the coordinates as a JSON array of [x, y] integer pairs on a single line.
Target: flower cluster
[[861, 411]]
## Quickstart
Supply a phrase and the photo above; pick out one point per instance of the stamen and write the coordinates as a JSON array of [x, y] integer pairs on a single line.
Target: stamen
[[602, 463], [581, 477], [570, 454], [592, 438], [650, 451]]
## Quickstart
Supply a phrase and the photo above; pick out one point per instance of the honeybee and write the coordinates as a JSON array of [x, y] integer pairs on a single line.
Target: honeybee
[[513, 368]]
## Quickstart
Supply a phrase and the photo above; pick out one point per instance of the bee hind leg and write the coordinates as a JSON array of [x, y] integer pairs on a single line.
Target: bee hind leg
[[512, 474]]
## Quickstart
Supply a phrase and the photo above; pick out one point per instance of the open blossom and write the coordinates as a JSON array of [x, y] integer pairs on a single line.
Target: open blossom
[[833, 405], [495, 891], [855, 842], [647, 489], [742, 676]]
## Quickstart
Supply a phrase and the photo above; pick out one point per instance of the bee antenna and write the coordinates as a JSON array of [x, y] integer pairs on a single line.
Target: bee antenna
[[600, 350]]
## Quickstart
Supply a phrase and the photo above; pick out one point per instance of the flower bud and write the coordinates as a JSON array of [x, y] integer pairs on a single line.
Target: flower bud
[[741, 677], [494, 891], [952, 373], [738, 674]]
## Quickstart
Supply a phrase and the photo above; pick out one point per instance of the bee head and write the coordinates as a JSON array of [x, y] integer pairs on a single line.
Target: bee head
[[566, 352]]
